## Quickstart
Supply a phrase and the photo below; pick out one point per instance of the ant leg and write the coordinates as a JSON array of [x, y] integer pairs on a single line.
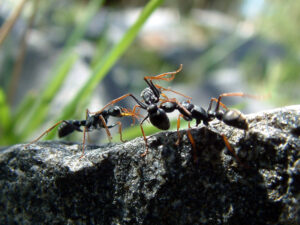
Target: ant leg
[[178, 126], [106, 128], [189, 134], [88, 137], [169, 89], [230, 148], [44, 133], [87, 112], [216, 100], [145, 139], [120, 130], [162, 76], [180, 107], [83, 143], [119, 99], [133, 111], [153, 87], [232, 151], [240, 94]]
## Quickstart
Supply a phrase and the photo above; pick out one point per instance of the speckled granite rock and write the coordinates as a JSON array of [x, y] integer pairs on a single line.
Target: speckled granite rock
[[48, 183]]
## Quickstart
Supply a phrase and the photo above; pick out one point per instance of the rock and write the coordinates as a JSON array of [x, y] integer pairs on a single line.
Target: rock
[[48, 183]]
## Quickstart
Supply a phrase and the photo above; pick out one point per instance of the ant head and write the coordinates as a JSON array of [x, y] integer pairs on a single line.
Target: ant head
[[115, 111], [148, 96]]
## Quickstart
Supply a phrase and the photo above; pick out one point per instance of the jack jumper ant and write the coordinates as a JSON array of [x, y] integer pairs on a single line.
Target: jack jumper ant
[[230, 117], [93, 121]]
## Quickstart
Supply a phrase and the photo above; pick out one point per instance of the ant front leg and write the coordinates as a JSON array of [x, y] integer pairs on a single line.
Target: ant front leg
[[162, 76], [172, 104], [171, 90], [115, 101], [218, 102], [136, 113], [156, 88], [232, 117]]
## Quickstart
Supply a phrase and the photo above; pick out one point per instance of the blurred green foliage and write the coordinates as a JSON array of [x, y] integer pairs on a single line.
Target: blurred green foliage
[[278, 23], [35, 110]]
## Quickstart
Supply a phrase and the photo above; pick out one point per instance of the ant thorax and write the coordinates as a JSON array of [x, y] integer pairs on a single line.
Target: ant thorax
[[94, 121], [148, 96]]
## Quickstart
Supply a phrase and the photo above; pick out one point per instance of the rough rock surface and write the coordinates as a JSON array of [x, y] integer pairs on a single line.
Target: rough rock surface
[[48, 183]]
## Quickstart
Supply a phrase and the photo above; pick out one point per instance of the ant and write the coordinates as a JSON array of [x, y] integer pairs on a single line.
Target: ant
[[230, 117], [93, 121]]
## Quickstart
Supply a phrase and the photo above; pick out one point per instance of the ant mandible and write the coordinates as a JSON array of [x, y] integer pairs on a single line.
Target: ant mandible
[[93, 121]]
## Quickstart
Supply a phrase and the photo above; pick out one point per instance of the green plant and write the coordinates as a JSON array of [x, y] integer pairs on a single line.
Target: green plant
[[34, 111]]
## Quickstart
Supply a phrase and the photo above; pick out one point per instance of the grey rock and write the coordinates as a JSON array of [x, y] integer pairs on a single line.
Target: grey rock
[[48, 183]]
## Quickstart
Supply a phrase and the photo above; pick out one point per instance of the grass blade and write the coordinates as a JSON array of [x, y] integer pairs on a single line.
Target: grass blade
[[40, 111], [24, 108], [65, 62], [5, 119], [5, 115], [102, 68]]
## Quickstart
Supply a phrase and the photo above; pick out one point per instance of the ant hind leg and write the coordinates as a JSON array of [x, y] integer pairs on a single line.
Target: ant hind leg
[[44, 133], [192, 140], [227, 144]]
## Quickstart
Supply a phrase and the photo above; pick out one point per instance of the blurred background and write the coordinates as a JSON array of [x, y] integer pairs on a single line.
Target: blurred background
[[59, 57]]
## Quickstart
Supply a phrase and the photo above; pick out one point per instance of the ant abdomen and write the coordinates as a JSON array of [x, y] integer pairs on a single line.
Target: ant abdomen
[[235, 119], [67, 127], [158, 117]]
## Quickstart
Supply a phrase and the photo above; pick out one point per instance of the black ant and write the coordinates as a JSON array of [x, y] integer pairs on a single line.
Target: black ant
[[93, 121], [231, 117]]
